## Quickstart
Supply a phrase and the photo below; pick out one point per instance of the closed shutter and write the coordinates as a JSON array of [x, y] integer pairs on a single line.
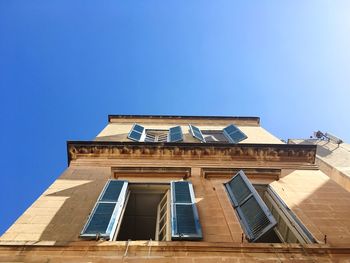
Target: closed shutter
[[196, 133], [255, 217], [137, 133], [175, 134], [105, 216], [184, 220], [233, 134]]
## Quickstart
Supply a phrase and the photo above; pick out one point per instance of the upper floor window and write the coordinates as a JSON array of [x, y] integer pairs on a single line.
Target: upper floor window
[[230, 134], [144, 211], [140, 134], [264, 217]]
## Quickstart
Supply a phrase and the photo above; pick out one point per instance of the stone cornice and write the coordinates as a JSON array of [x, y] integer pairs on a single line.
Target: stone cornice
[[256, 173], [290, 153]]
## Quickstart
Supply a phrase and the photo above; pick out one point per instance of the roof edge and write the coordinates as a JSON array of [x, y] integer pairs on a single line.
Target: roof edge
[[250, 118]]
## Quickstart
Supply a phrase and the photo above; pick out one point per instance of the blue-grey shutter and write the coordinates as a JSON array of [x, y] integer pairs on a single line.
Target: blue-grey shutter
[[175, 134], [137, 133], [233, 134], [105, 216], [256, 219], [196, 133], [184, 215]]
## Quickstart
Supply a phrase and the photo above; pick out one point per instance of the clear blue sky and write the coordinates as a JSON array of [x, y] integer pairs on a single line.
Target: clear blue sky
[[66, 65]]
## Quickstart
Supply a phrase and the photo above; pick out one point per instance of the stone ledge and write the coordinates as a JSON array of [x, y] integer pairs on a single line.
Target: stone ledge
[[290, 153]]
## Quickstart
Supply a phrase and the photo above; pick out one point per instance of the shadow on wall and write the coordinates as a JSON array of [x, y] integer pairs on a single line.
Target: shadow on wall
[[325, 211], [69, 220]]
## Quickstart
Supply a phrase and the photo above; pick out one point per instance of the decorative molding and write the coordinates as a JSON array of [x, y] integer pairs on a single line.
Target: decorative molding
[[176, 172], [290, 153], [252, 173]]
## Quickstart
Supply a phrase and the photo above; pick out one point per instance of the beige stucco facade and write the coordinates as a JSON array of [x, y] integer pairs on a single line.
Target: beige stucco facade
[[48, 231]]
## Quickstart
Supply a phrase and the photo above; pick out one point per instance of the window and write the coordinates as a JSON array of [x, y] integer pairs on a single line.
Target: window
[[156, 135], [214, 136], [289, 228], [140, 134], [230, 134], [263, 215], [142, 211]]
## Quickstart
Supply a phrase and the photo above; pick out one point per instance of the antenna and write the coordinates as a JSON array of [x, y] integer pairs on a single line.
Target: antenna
[[328, 136], [333, 138]]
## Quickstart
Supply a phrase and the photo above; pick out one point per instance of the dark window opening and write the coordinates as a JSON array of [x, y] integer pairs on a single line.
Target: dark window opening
[[214, 136], [141, 216]]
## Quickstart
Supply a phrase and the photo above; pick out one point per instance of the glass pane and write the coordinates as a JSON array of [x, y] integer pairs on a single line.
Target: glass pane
[[112, 191], [238, 136], [100, 219], [138, 128], [135, 135], [175, 137], [230, 129]]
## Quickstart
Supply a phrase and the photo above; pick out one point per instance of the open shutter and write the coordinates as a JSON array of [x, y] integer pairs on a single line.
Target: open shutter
[[233, 134], [105, 216], [184, 215], [196, 133], [137, 133], [255, 217], [175, 134]]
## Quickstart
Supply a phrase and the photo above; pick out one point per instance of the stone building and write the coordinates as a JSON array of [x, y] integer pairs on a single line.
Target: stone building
[[185, 189]]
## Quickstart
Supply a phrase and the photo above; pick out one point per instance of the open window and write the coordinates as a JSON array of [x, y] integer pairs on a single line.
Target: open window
[[255, 217], [230, 134], [144, 211], [289, 228], [141, 134], [264, 217]]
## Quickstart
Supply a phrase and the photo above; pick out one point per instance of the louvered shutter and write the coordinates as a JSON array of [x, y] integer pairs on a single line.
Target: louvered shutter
[[196, 133], [255, 217], [137, 133], [105, 216], [175, 134], [233, 134], [184, 220]]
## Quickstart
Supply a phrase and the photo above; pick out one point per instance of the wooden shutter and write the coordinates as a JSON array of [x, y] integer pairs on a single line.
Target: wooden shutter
[[137, 133], [184, 215], [255, 217], [196, 133], [105, 216], [233, 134], [175, 134]]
